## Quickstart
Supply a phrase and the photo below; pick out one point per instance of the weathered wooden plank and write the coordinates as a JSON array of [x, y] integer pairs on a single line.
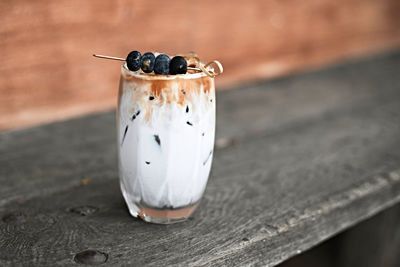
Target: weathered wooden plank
[[47, 72], [309, 156], [305, 97]]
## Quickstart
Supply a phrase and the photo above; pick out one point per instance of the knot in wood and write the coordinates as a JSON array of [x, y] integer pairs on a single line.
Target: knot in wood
[[91, 257], [84, 210], [15, 217]]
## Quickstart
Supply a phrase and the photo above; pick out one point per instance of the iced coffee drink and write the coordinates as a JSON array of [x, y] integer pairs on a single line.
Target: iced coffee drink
[[166, 129]]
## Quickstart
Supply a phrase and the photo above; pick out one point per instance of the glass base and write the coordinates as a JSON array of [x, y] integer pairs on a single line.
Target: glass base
[[166, 216], [154, 215], [163, 216]]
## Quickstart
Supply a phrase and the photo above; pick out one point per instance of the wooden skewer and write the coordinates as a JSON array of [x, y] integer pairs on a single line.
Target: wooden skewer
[[203, 68], [122, 59], [108, 57]]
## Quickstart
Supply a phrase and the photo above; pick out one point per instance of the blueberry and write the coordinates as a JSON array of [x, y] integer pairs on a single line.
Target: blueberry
[[134, 60], [161, 65], [148, 60], [178, 65]]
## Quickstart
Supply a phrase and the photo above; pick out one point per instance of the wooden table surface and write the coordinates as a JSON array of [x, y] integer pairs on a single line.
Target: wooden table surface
[[298, 160]]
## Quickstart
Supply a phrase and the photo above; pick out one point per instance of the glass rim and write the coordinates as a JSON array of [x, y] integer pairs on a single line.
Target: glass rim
[[155, 77]]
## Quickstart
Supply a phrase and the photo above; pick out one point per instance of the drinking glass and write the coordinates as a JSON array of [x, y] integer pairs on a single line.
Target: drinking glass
[[166, 129]]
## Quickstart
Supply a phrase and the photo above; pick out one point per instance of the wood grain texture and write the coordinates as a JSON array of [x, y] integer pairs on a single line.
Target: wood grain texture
[[319, 154], [47, 72]]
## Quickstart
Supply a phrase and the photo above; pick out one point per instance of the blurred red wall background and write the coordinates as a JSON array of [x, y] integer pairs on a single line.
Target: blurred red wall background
[[47, 71]]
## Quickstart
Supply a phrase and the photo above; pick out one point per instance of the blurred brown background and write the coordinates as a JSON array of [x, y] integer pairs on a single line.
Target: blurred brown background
[[47, 71]]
